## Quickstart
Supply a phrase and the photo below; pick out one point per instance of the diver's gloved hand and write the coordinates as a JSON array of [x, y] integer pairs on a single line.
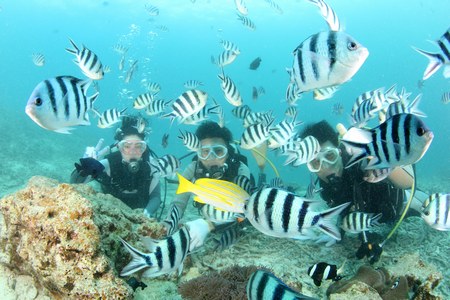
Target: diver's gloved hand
[[198, 230], [89, 166], [371, 250], [96, 152]]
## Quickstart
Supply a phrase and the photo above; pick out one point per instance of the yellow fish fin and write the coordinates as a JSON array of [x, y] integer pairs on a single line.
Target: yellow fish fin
[[198, 199], [184, 185]]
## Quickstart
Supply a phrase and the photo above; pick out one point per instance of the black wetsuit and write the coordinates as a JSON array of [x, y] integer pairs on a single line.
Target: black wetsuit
[[381, 197]]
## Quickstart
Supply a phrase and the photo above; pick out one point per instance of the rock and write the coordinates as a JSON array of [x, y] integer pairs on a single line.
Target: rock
[[357, 291], [66, 237]]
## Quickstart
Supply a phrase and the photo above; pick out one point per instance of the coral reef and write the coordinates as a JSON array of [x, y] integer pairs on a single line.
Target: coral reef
[[65, 237]]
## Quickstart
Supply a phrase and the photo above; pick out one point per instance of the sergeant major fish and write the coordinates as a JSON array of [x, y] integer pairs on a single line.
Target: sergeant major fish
[[60, 102], [356, 222], [110, 117], [88, 61], [166, 255], [436, 211]]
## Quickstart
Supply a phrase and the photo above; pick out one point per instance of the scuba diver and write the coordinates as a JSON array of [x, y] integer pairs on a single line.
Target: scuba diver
[[216, 159], [126, 172]]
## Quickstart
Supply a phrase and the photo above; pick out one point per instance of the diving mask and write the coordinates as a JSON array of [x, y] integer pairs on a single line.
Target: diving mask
[[219, 151], [129, 146], [329, 155]]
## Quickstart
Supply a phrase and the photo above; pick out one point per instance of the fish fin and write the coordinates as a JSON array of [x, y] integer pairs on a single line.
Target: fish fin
[[65, 130], [375, 163], [447, 71], [355, 140], [75, 50], [413, 107], [436, 61], [140, 260], [184, 185], [374, 220], [325, 223], [149, 243]]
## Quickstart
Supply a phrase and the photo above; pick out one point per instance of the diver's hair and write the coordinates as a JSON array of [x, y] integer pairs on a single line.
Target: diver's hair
[[210, 129], [129, 127], [322, 131]]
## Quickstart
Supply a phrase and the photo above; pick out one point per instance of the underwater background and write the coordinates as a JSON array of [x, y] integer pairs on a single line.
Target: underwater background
[[176, 46]]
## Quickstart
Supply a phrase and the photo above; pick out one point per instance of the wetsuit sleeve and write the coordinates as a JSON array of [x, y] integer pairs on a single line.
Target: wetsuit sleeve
[[181, 200], [154, 200]]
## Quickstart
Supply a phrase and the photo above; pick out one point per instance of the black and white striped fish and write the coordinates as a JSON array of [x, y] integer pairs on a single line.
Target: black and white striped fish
[[153, 87], [275, 6], [438, 59], [323, 271], [156, 107], [216, 216], [188, 104], [122, 63], [258, 117], [241, 111], [291, 112], [436, 211], [121, 49], [246, 22], [230, 91], [225, 58], [244, 182], [152, 10], [166, 165], [228, 238], [401, 140], [327, 59], [131, 70], [255, 135], [173, 220], [263, 285], [446, 98], [143, 100], [192, 84], [59, 103], [304, 151], [356, 222], [293, 94], [38, 59], [281, 133], [190, 140], [202, 115], [230, 46], [276, 182], [110, 117], [376, 175], [325, 93], [279, 213], [88, 61], [166, 256], [368, 108], [403, 106]]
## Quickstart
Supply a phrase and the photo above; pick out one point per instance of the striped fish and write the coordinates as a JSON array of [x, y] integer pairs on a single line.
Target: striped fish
[[291, 112], [225, 58], [202, 115], [275, 6], [230, 46], [325, 93], [279, 213], [228, 238], [173, 220], [216, 216], [244, 182], [153, 87], [190, 140], [328, 14], [166, 255], [110, 117], [192, 84], [156, 107], [230, 90], [323, 271], [241, 7], [436, 211], [59, 103], [152, 10], [241, 111], [121, 49], [276, 182], [166, 165], [281, 133], [376, 175], [258, 117], [404, 107], [188, 104], [446, 98], [88, 61], [38, 59], [263, 285], [131, 70], [122, 63], [255, 135], [293, 94], [304, 151], [246, 22], [327, 59], [401, 140], [356, 222], [438, 59], [142, 101], [368, 109]]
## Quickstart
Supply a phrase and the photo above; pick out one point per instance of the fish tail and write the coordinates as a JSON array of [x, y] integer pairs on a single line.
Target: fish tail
[[413, 107], [75, 50], [327, 225], [140, 260], [375, 219], [355, 141], [436, 61], [184, 185]]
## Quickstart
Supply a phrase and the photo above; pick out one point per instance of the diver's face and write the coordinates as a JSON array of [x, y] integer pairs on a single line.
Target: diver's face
[[330, 164], [213, 152], [132, 147]]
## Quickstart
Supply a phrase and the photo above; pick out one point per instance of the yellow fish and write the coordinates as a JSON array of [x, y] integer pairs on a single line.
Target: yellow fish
[[221, 194]]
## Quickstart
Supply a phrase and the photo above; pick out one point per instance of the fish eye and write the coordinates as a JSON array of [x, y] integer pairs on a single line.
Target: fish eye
[[352, 45], [38, 101], [420, 131]]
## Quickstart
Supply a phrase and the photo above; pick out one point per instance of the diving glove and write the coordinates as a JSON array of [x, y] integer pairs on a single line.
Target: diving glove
[[89, 166]]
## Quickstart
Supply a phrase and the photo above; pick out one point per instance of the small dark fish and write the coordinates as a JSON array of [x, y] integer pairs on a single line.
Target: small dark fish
[[134, 283], [255, 94], [255, 63], [165, 140], [323, 271], [420, 84]]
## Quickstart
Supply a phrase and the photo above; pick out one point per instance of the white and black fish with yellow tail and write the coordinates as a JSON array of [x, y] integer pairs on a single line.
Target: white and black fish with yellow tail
[[88, 61], [165, 257], [279, 213], [324, 271], [59, 103], [327, 59], [263, 285], [438, 59], [401, 140], [436, 211]]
